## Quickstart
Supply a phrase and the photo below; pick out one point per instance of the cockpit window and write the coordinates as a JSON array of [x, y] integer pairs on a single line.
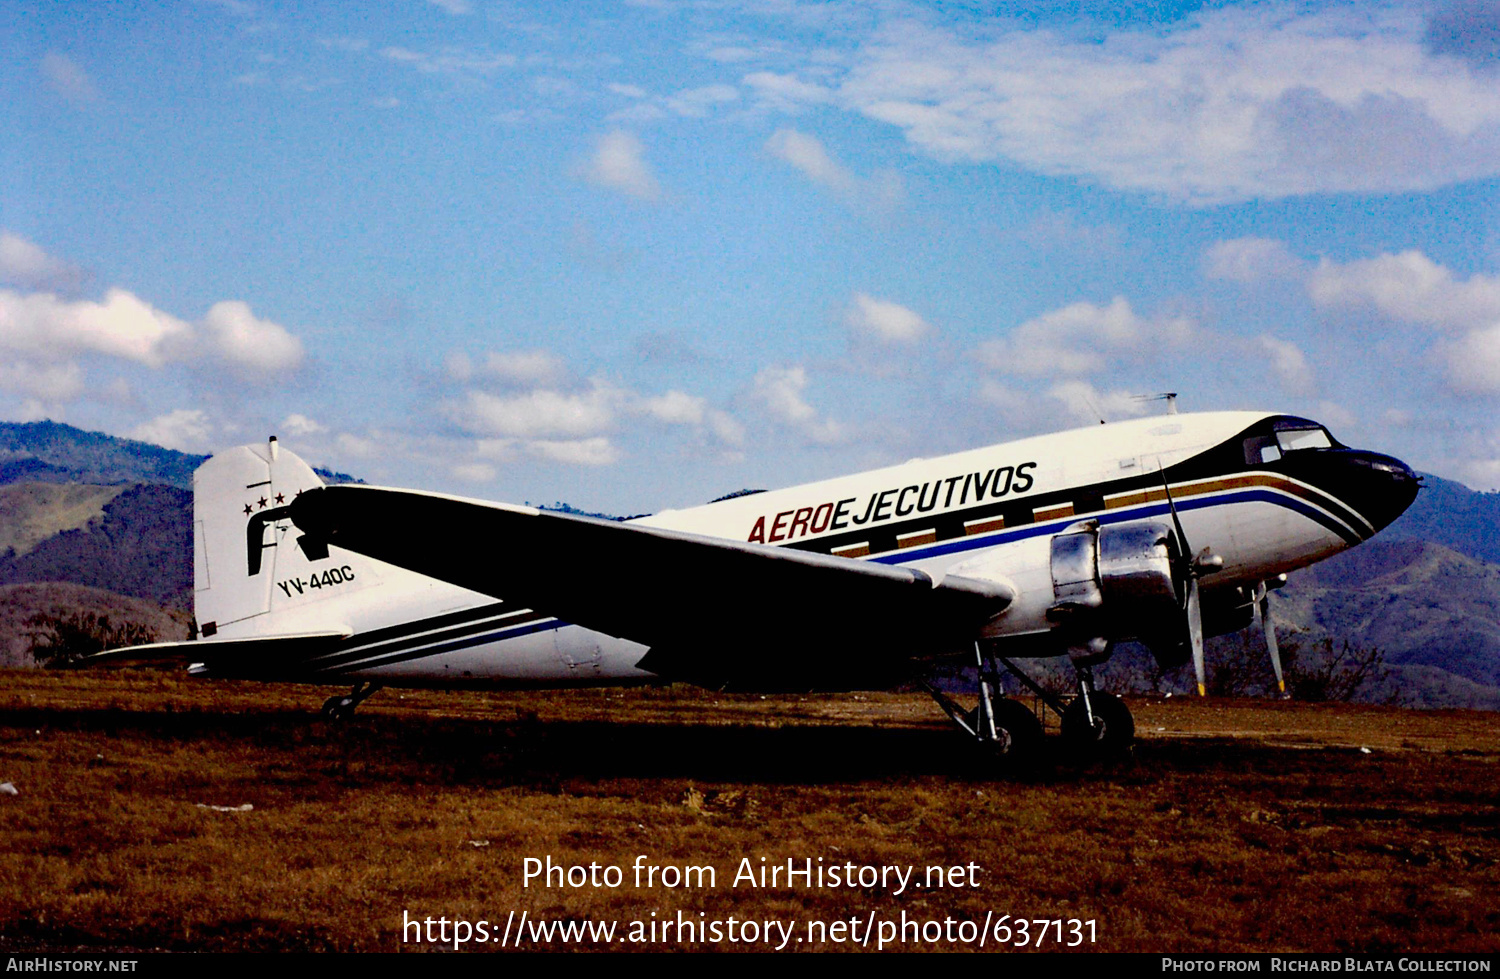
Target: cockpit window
[[1293, 439]]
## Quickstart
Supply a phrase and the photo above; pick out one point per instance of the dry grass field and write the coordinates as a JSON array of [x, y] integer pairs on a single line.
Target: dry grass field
[[1236, 826]]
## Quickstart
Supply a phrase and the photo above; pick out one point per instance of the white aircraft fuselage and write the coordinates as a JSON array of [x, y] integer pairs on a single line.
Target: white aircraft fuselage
[[1266, 494]]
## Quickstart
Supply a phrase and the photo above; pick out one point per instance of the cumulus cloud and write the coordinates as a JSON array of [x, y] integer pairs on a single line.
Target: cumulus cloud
[[780, 390], [596, 451], [186, 430], [518, 368], [43, 326], [1082, 338], [64, 76], [51, 384], [676, 408], [619, 163], [884, 322], [244, 341], [1288, 365], [300, 426], [1473, 361], [1251, 260], [1409, 287], [26, 264], [1223, 105], [539, 413], [808, 154]]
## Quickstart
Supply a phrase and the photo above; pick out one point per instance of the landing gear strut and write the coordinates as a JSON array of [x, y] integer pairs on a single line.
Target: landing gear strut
[[339, 708], [1096, 724], [1005, 727]]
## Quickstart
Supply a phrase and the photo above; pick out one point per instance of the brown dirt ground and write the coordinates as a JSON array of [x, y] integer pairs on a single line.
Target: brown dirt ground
[[1235, 825]]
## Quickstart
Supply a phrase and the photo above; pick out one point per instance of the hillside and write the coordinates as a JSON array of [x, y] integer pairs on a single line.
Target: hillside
[[1430, 609], [32, 512], [51, 452], [141, 546], [19, 603], [1453, 515]]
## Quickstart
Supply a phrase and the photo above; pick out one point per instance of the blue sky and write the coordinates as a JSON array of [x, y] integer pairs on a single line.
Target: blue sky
[[638, 254]]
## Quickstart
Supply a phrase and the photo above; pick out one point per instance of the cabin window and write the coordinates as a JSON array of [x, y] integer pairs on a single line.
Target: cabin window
[[1295, 439], [1261, 449]]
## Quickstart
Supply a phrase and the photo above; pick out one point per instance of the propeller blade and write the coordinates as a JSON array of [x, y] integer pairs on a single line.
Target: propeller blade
[[1268, 629], [1194, 612], [1187, 549]]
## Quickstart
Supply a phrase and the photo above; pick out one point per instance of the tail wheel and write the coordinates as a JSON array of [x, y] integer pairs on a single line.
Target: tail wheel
[[1111, 734]]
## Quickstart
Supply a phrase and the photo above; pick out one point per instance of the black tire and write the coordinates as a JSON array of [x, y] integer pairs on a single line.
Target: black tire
[[1019, 722], [1111, 736]]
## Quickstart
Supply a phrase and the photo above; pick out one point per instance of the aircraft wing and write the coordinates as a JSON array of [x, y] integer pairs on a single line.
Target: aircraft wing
[[262, 653], [713, 611]]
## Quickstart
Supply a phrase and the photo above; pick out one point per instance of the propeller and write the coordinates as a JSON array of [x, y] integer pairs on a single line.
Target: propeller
[[1268, 629], [1193, 567]]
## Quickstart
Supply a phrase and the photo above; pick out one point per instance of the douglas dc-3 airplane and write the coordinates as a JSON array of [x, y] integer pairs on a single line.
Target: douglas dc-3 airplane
[[1159, 529]]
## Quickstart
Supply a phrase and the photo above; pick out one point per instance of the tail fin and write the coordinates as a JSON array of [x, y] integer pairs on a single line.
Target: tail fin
[[247, 562]]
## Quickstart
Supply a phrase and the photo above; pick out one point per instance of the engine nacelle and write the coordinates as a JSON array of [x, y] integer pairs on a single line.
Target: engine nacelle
[[1115, 582]]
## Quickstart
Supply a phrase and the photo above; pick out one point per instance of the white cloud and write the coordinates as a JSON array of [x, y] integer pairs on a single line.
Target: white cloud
[[63, 75], [698, 102], [1288, 364], [26, 264], [299, 426], [244, 341], [1082, 339], [187, 430], [1251, 260], [619, 163], [1409, 287], [452, 61], [780, 390], [54, 384], [884, 321], [45, 327], [808, 154], [473, 472], [1225, 104], [1474, 361], [539, 413], [675, 408], [597, 451], [786, 93]]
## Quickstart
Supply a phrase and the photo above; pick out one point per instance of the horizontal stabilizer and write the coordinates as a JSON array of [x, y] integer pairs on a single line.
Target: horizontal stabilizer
[[261, 652]]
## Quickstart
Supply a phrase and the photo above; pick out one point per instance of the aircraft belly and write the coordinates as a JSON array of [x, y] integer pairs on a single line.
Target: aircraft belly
[[558, 656]]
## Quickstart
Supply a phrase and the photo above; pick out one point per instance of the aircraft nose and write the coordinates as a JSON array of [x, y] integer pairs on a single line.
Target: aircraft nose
[[1387, 486]]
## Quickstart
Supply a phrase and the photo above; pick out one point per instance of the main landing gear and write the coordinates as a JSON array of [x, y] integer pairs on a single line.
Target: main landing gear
[[1094, 724], [340, 708]]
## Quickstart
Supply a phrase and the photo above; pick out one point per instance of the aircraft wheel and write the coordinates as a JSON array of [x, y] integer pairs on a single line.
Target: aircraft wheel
[[1023, 732], [1112, 734], [1019, 721]]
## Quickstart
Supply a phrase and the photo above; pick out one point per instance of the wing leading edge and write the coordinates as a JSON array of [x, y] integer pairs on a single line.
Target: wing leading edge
[[712, 611]]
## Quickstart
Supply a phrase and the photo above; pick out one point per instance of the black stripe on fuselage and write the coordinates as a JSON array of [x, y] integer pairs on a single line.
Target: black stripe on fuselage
[[1224, 460]]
